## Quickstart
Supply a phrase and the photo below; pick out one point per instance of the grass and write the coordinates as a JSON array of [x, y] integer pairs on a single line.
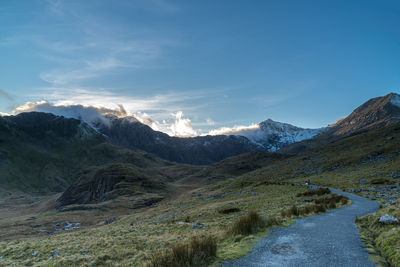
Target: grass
[[315, 192], [198, 252], [135, 236], [383, 241], [321, 204], [138, 234], [248, 224]]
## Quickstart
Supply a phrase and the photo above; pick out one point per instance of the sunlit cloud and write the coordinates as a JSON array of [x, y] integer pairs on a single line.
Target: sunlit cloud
[[236, 130], [182, 127], [85, 106]]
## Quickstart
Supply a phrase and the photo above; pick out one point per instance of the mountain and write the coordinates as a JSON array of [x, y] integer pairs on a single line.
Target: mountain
[[130, 133], [108, 182], [41, 152], [272, 135], [375, 113]]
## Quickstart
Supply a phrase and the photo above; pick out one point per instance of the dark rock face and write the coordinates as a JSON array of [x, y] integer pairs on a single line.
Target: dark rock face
[[105, 183], [132, 134], [41, 125]]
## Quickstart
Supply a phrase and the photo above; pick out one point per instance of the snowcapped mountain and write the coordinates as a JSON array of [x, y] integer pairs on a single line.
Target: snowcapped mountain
[[273, 135]]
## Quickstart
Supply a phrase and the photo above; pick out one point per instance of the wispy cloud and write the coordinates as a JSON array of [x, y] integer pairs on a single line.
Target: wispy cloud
[[94, 47], [5, 95]]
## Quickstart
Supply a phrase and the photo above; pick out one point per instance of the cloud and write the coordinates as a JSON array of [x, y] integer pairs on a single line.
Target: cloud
[[174, 125], [182, 127], [5, 95], [236, 130], [210, 122], [88, 114]]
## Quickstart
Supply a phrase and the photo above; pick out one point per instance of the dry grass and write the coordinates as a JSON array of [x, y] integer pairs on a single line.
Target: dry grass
[[315, 192], [320, 205], [199, 251], [251, 224]]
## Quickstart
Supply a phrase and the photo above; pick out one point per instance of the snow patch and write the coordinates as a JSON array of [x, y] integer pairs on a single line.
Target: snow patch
[[395, 100], [270, 134]]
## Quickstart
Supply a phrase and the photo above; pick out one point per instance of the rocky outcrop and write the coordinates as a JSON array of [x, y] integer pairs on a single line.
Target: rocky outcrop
[[100, 184]]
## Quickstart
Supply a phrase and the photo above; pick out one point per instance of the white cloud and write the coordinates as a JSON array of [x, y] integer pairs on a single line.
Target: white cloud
[[181, 126], [236, 130], [174, 125]]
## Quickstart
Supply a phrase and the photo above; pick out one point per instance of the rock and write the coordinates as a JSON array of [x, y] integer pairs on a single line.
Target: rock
[[199, 225], [31, 219], [395, 175], [84, 252], [1, 257], [111, 220], [55, 254], [390, 202], [389, 138], [388, 219], [71, 226], [363, 181], [181, 223]]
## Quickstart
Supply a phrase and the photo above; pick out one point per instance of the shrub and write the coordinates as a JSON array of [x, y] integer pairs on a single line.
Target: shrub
[[293, 211], [199, 251], [229, 210], [382, 181], [248, 224], [320, 208], [332, 205], [313, 192]]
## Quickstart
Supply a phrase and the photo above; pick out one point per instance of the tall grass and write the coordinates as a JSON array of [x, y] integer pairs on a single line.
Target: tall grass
[[320, 205], [315, 192], [251, 223], [198, 252]]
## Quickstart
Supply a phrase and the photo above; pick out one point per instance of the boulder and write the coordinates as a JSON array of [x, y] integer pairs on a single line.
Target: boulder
[[388, 219]]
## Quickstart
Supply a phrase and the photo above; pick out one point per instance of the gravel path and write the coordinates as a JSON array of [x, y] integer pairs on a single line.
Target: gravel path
[[330, 239]]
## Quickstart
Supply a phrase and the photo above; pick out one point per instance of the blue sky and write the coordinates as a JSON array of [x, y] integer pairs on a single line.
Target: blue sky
[[222, 63]]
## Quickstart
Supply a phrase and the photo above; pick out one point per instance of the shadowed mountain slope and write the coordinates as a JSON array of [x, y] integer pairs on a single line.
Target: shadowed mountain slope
[[41, 152], [130, 133], [376, 113]]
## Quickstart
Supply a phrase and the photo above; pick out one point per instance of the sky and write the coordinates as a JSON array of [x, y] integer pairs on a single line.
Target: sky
[[194, 66]]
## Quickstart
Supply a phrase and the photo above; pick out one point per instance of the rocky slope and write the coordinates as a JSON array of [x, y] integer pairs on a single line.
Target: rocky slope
[[273, 135], [111, 181], [375, 113], [130, 133], [41, 152]]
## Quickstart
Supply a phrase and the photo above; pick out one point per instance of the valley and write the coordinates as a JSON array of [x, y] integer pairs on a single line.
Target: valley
[[74, 196]]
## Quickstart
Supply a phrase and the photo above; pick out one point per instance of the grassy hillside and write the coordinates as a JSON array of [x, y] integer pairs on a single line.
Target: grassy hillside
[[122, 232], [42, 153]]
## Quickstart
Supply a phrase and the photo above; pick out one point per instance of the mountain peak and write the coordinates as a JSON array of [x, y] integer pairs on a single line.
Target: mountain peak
[[376, 112]]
